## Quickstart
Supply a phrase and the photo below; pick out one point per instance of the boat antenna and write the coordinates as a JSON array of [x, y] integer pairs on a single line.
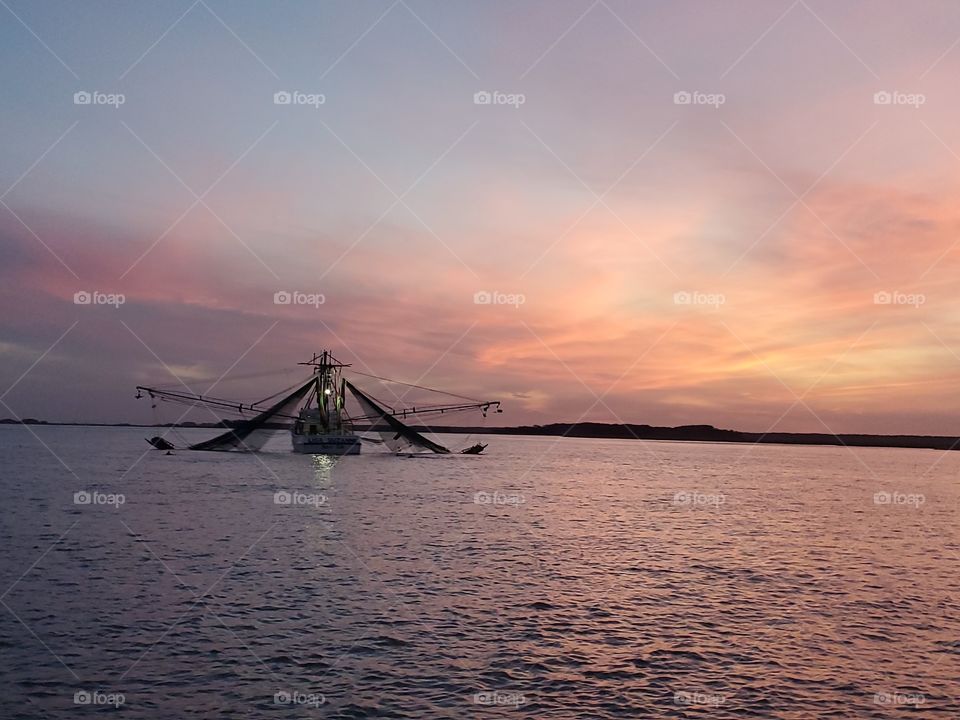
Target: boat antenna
[[324, 359]]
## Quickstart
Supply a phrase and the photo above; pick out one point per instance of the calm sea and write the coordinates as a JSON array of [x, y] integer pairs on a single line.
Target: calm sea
[[546, 579]]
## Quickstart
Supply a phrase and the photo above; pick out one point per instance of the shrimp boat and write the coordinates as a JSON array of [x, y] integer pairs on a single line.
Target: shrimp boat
[[322, 426], [314, 412]]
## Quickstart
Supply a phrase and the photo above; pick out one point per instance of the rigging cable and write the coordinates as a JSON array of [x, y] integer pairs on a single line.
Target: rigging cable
[[418, 387]]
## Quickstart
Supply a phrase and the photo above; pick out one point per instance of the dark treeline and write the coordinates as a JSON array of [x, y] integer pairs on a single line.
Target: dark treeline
[[708, 433]]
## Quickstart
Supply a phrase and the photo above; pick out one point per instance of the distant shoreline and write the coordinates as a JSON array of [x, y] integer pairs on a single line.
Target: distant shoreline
[[612, 431], [708, 433]]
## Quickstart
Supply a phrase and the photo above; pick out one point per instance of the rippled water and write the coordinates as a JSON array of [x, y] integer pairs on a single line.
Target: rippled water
[[562, 579]]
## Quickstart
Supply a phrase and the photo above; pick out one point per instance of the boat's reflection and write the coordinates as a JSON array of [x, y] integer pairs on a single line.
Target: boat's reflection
[[323, 469]]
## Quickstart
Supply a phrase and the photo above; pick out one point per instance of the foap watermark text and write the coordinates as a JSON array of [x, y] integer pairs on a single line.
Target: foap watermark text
[[896, 698], [295, 97], [292, 497], [695, 297], [690, 498], [499, 697], [895, 97], [93, 497], [885, 297], [95, 297], [294, 297], [912, 500], [98, 697], [485, 97], [85, 97], [698, 697], [685, 97], [495, 297], [296, 697], [498, 498]]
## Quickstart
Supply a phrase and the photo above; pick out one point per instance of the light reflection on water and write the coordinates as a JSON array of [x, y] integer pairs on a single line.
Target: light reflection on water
[[579, 578]]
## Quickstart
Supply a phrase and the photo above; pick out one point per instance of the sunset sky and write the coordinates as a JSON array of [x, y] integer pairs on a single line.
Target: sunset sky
[[781, 252]]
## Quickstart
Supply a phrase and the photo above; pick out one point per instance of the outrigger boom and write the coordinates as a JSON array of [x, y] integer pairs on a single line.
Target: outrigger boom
[[196, 399]]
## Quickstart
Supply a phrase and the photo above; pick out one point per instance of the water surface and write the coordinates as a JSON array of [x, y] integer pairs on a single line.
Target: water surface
[[562, 578]]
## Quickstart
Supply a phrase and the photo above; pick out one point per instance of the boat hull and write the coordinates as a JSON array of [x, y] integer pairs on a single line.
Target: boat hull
[[326, 444]]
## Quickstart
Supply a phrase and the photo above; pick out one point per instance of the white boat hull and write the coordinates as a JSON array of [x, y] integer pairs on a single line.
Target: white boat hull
[[326, 444]]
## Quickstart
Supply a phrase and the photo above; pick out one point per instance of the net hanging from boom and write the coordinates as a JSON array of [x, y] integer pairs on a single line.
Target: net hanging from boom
[[395, 435], [251, 435]]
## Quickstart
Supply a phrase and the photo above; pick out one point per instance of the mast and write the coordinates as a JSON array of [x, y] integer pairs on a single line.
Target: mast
[[329, 389]]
